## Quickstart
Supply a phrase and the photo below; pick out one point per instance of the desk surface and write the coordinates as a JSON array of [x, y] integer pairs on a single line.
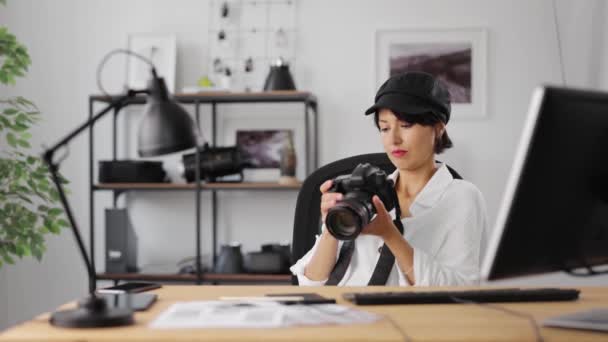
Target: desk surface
[[454, 322]]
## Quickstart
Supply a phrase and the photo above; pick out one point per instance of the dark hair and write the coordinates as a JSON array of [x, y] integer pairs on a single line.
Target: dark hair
[[429, 119]]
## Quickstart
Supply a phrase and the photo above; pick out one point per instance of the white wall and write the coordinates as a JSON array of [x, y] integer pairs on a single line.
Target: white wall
[[67, 38]]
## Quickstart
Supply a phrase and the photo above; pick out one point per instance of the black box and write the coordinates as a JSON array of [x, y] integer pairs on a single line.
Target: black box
[[131, 171], [121, 242]]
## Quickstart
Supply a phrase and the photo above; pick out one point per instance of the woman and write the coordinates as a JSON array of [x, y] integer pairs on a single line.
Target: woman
[[444, 218]]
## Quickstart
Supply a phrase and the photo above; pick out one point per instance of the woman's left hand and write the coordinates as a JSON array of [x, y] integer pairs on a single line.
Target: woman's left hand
[[382, 225]]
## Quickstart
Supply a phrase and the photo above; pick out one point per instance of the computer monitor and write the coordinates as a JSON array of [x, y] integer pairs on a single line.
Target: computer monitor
[[554, 213]]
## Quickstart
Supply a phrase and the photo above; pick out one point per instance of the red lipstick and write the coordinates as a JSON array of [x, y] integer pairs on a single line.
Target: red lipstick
[[398, 153]]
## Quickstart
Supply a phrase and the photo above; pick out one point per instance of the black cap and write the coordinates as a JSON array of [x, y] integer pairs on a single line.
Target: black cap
[[413, 92]]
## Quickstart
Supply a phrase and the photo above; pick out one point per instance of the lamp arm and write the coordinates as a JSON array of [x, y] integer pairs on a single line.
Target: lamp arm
[[121, 51], [53, 166]]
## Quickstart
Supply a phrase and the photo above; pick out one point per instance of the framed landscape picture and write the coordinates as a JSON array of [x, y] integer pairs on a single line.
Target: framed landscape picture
[[456, 56], [262, 148]]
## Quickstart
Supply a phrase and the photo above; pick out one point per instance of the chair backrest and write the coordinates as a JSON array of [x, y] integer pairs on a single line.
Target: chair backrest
[[307, 220]]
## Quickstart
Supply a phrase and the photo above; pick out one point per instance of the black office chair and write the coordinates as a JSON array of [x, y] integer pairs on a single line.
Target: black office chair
[[307, 220]]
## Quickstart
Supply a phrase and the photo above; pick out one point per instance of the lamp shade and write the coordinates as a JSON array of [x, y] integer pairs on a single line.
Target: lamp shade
[[166, 126], [279, 77]]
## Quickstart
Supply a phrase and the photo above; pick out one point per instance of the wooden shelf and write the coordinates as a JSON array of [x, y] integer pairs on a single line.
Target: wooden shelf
[[207, 277], [205, 186], [227, 97]]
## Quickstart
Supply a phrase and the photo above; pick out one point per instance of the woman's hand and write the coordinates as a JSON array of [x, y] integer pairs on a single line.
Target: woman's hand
[[328, 199], [382, 225]]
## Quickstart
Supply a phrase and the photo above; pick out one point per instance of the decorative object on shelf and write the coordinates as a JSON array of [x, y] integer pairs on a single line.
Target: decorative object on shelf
[[165, 128], [218, 66], [215, 162], [161, 50], [281, 39], [247, 77], [225, 80], [279, 77], [188, 265], [205, 82], [230, 259], [272, 259], [249, 64], [225, 10], [262, 148], [131, 171], [288, 162], [457, 56], [260, 30]]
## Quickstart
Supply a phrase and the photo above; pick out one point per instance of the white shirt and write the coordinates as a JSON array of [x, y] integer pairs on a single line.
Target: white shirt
[[445, 229]]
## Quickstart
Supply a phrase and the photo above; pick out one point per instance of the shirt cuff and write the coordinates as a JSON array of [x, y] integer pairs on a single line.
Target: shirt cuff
[[420, 259], [403, 280], [298, 270]]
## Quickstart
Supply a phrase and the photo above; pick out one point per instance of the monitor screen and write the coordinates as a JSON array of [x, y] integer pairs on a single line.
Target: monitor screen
[[554, 213]]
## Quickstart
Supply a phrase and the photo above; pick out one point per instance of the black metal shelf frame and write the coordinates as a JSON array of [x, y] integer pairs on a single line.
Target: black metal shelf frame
[[213, 99]]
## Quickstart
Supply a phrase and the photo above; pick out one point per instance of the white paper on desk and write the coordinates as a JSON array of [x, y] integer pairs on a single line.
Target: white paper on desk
[[220, 314], [326, 314], [252, 314]]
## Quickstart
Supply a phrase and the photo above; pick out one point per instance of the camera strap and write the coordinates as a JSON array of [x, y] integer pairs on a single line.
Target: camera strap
[[346, 254], [385, 261]]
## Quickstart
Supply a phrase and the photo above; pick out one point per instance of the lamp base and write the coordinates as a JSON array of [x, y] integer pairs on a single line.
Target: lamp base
[[93, 312]]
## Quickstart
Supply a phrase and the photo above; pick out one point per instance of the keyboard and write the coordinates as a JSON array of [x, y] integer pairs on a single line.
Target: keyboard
[[460, 296]]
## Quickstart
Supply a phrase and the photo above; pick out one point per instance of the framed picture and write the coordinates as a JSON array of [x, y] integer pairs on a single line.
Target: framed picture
[[456, 56], [161, 49], [262, 148]]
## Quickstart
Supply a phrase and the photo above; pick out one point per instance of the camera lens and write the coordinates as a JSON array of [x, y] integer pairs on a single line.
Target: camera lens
[[345, 220]]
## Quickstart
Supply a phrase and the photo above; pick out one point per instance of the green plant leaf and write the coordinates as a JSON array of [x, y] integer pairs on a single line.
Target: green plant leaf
[[37, 253], [23, 143], [10, 111], [20, 127], [28, 204], [55, 212], [10, 138]]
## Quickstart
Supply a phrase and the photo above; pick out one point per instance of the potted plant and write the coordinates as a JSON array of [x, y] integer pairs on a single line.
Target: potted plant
[[29, 203]]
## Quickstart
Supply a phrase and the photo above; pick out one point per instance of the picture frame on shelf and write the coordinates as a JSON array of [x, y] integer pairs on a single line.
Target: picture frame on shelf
[[457, 56], [262, 148], [161, 49]]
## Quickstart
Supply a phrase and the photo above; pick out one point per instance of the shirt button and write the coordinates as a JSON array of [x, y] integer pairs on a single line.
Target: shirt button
[[380, 249]]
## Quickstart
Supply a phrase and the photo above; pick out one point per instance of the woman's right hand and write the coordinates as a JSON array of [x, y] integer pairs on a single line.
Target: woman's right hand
[[328, 199]]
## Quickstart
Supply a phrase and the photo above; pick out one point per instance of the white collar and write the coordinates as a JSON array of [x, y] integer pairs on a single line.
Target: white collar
[[432, 191]]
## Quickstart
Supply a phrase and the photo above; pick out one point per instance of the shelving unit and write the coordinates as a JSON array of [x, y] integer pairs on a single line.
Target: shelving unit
[[213, 99]]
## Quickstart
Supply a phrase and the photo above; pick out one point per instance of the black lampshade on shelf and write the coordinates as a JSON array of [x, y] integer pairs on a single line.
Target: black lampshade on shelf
[[279, 77], [166, 127]]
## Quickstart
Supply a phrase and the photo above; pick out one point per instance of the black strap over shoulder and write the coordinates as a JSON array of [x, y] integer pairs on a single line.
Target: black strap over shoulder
[[385, 261], [346, 254]]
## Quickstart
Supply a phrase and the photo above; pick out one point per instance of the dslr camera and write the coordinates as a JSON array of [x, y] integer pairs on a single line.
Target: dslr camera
[[348, 217]]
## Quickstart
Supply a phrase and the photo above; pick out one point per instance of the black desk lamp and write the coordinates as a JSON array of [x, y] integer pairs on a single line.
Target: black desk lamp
[[166, 128]]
